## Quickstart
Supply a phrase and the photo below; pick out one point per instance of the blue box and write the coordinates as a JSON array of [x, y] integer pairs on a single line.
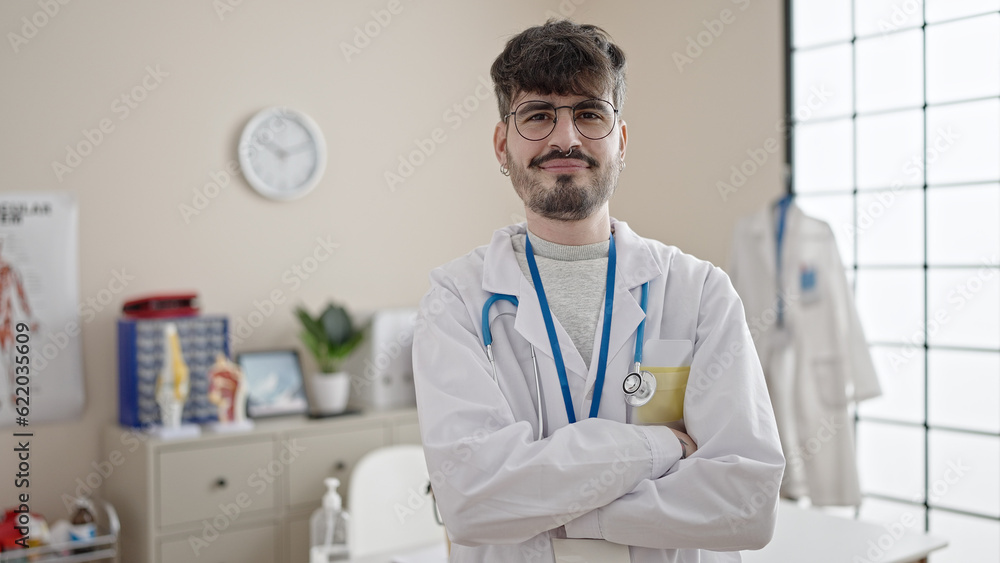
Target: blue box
[[140, 358]]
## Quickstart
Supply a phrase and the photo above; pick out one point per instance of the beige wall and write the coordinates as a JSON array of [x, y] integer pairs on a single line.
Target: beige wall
[[686, 130]]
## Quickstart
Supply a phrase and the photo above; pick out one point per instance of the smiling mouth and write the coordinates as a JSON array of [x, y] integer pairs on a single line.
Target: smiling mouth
[[564, 165]]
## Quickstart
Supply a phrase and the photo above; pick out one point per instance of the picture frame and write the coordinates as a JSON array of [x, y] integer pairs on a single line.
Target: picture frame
[[275, 386]]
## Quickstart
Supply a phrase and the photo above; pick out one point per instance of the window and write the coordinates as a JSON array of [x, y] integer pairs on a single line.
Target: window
[[902, 158]]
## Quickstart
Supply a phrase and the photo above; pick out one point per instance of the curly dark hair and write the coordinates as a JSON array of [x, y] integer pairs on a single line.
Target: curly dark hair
[[560, 57]]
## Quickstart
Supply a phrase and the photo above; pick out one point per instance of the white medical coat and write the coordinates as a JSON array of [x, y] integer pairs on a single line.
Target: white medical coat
[[500, 490], [820, 362]]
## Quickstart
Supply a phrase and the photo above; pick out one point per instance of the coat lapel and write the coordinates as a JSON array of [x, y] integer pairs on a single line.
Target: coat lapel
[[636, 266], [790, 255], [766, 240], [502, 274]]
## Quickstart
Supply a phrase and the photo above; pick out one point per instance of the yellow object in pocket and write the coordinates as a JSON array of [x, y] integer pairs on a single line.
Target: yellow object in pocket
[[667, 404]]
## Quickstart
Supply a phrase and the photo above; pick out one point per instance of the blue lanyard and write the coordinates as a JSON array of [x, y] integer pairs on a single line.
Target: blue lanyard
[[782, 214], [550, 328], [642, 325]]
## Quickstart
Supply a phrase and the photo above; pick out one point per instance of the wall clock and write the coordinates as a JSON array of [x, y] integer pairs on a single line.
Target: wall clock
[[282, 153]]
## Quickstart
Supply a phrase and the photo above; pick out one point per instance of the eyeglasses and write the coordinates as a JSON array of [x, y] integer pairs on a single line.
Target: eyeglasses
[[535, 119]]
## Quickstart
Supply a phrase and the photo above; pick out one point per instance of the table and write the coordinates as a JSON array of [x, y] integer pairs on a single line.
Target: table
[[804, 534], [435, 552], [825, 538]]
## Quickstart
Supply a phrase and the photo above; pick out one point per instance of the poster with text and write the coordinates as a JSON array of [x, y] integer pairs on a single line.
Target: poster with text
[[41, 363]]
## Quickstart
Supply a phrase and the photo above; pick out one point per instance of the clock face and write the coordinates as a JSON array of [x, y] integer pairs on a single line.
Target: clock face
[[282, 154]]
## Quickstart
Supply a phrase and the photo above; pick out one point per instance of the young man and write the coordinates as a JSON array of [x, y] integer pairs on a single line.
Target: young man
[[531, 447]]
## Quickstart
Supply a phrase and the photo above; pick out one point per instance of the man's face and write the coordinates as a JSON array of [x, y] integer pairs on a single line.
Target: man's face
[[552, 184]]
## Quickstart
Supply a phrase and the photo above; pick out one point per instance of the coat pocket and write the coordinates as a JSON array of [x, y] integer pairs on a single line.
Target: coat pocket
[[667, 403], [670, 363], [828, 376]]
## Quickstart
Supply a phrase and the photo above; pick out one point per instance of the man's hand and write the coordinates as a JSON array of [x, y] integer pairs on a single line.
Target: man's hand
[[688, 444]]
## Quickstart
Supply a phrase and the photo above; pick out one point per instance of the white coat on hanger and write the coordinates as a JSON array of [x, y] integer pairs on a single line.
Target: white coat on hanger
[[818, 363]]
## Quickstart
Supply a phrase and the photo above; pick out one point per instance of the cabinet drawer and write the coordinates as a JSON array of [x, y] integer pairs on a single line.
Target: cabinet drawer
[[328, 455], [297, 539], [194, 483], [252, 545]]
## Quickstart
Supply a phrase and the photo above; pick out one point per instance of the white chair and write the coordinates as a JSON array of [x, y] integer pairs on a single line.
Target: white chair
[[388, 502]]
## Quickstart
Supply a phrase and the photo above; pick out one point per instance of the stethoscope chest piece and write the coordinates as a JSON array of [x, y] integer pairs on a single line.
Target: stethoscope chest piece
[[639, 387]]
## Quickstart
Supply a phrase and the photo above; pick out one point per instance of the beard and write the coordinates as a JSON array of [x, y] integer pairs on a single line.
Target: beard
[[572, 197]]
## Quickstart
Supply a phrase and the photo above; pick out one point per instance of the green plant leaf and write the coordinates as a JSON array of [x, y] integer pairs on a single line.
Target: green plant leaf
[[331, 337], [337, 324], [310, 324]]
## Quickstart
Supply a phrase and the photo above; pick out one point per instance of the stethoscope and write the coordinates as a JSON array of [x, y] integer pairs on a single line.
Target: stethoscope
[[488, 342], [638, 386]]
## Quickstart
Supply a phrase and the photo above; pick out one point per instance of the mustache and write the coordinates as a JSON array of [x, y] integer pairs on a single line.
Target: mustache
[[554, 155]]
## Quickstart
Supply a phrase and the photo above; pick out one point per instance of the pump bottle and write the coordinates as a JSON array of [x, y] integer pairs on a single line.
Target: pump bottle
[[328, 528]]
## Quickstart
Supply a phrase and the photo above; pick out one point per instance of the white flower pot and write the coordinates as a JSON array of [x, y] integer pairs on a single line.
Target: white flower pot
[[330, 392]]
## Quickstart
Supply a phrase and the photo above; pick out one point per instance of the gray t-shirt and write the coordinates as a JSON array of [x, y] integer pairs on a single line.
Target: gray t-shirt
[[574, 278]]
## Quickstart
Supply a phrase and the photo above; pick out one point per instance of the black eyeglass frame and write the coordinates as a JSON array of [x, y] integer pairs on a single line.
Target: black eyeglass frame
[[572, 113]]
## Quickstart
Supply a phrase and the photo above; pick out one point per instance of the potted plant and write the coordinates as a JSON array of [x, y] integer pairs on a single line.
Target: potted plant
[[330, 337]]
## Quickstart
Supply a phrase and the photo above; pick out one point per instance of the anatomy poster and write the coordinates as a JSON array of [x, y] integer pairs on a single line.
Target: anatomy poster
[[41, 374]]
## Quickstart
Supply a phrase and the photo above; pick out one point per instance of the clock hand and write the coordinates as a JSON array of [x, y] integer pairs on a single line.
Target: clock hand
[[299, 148], [276, 150]]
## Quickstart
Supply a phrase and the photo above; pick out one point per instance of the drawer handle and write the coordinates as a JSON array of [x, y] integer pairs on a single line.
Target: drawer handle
[[339, 466], [220, 483]]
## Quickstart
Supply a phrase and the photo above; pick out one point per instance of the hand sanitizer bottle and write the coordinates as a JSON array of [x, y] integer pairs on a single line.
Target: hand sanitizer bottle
[[328, 528]]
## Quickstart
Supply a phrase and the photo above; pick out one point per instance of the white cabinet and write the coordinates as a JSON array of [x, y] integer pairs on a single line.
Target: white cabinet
[[297, 532], [331, 453], [195, 483], [256, 544], [242, 497], [407, 433]]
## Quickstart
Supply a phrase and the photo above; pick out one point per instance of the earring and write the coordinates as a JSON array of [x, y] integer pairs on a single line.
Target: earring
[[623, 164], [504, 170]]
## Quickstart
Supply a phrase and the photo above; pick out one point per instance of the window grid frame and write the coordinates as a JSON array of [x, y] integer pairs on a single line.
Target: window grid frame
[[790, 50]]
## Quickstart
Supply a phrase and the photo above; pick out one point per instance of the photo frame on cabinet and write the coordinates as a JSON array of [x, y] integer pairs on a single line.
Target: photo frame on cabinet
[[274, 383]]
